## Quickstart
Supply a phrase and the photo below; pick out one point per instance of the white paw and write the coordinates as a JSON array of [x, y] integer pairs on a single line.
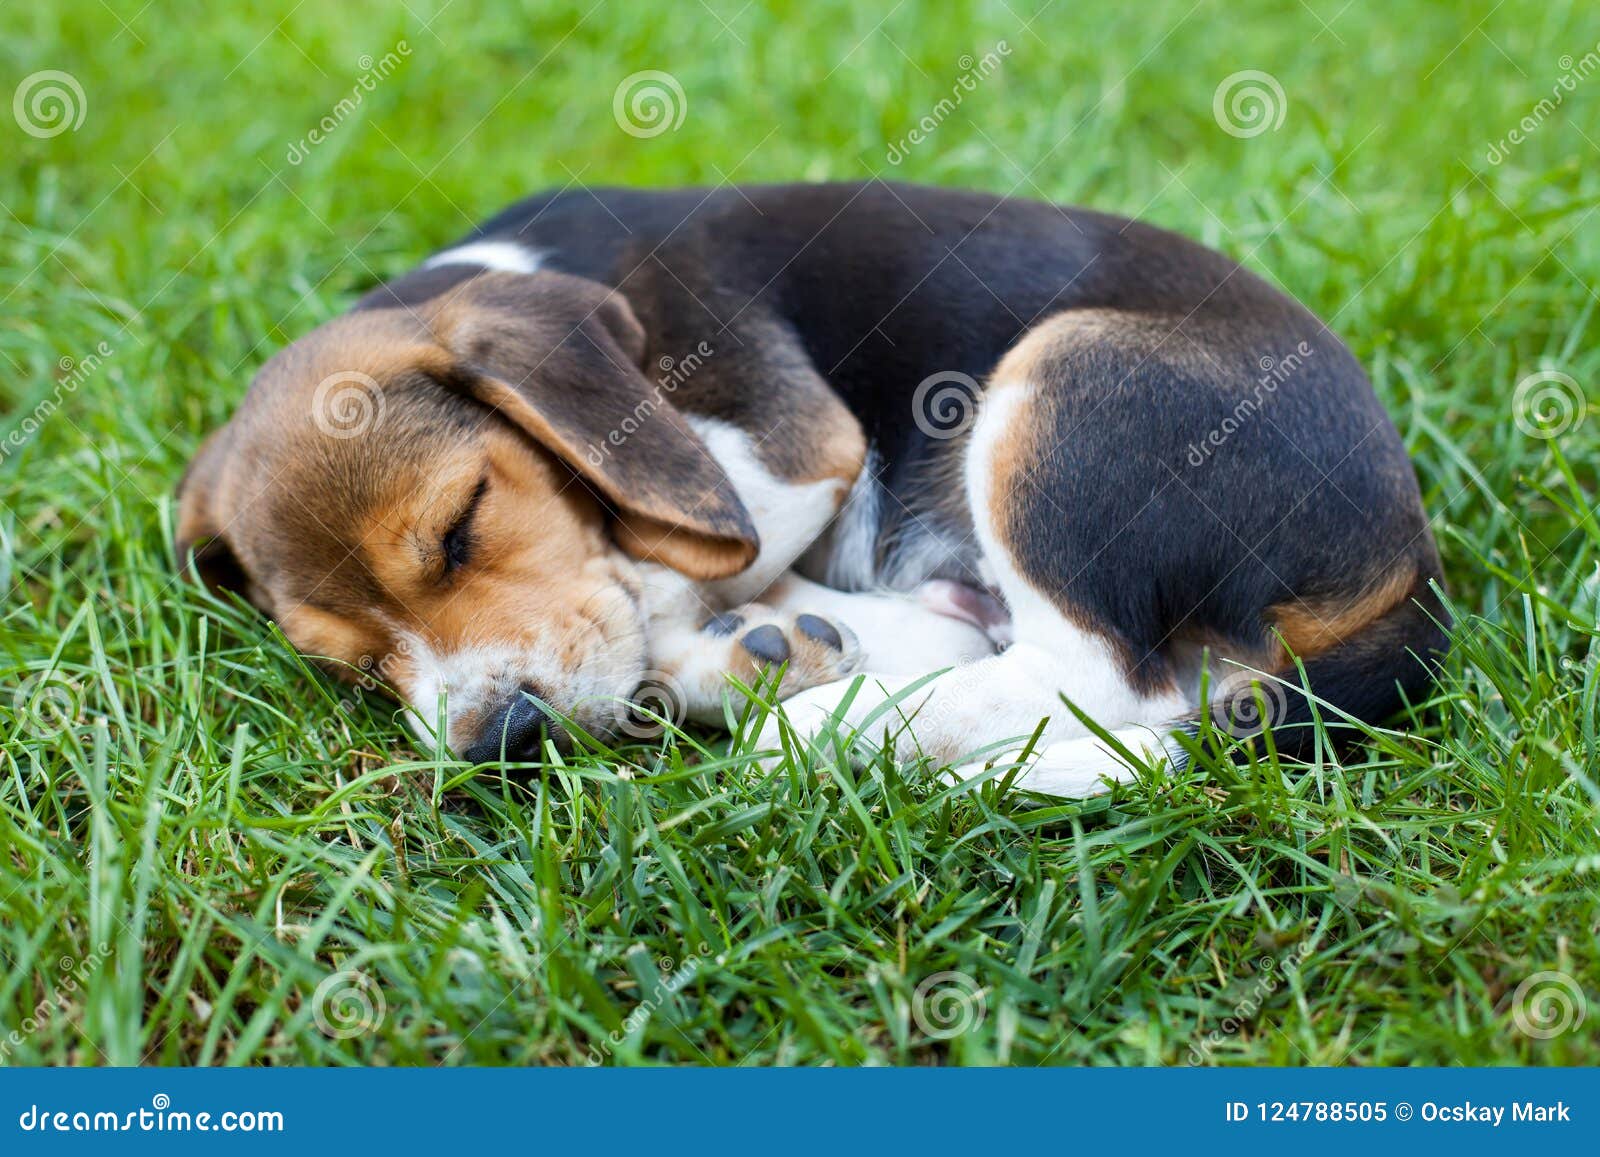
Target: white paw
[[847, 709]]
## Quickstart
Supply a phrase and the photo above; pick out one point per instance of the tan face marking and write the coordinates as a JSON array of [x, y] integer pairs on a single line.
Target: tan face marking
[[484, 573], [349, 523]]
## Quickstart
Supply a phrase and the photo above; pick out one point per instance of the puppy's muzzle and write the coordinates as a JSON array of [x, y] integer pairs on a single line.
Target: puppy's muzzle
[[515, 733]]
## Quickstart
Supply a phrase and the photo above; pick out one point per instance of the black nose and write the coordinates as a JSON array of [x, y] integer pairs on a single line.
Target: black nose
[[518, 729]]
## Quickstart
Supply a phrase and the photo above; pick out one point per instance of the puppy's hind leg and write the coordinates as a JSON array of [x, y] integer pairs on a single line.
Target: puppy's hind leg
[[967, 716], [1081, 622]]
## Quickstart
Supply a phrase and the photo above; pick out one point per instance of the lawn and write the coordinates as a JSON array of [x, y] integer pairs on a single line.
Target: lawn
[[212, 855]]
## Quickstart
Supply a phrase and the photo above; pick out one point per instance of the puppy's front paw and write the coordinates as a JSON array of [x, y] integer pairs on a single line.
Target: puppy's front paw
[[817, 650]]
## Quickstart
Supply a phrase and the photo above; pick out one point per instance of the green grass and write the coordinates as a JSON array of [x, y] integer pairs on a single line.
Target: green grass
[[194, 835]]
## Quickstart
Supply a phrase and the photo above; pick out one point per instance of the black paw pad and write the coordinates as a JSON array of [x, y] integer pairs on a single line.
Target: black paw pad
[[723, 625], [767, 644], [820, 630]]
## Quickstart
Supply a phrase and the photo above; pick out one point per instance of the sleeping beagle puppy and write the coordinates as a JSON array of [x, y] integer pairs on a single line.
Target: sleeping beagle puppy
[[855, 433]]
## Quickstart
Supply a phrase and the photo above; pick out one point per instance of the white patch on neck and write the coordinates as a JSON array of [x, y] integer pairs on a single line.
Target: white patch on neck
[[504, 256], [788, 516]]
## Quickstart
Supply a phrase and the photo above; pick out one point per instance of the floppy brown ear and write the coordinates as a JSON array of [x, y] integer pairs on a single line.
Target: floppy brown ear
[[560, 357], [203, 553]]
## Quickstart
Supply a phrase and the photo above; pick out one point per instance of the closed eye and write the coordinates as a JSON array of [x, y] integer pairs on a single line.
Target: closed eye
[[456, 546]]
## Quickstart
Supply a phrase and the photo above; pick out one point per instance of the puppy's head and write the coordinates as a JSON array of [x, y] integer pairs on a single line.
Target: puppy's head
[[444, 497]]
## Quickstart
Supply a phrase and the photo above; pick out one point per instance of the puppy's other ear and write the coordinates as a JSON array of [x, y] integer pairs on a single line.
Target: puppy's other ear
[[560, 357], [199, 530]]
